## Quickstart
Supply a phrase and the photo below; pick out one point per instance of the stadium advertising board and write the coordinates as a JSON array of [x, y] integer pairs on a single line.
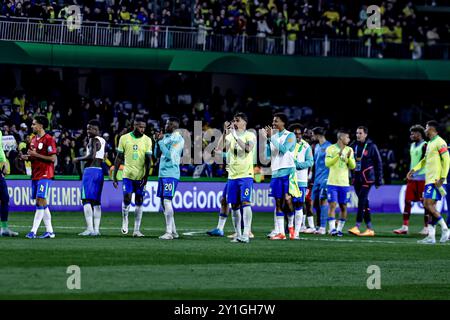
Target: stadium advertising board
[[189, 197]]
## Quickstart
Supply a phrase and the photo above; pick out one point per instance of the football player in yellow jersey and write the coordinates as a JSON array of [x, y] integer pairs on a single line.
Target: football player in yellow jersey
[[340, 159], [436, 164], [240, 145], [135, 150]]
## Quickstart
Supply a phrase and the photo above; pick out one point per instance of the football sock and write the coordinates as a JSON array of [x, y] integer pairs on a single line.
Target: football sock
[[332, 223], [174, 227], [304, 220], [426, 219], [341, 224], [223, 216], [97, 217], [137, 218], [48, 220], [237, 222], [406, 219], [4, 211], [275, 223], [248, 214], [87, 208], [442, 223], [298, 220], [125, 209], [37, 218], [311, 222], [280, 223], [291, 219], [431, 231], [168, 213], [323, 215]]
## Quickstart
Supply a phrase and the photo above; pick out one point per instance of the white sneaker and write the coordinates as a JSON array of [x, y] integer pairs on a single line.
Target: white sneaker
[[235, 240], [234, 235], [124, 225], [138, 234], [8, 233], [303, 229], [444, 236], [427, 240], [85, 233], [175, 235], [320, 231], [272, 234], [424, 231], [166, 236], [95, 234], [309, 230], [243, 239]]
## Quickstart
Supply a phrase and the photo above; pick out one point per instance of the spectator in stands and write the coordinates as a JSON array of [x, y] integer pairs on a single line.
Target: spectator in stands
[[292, 29]]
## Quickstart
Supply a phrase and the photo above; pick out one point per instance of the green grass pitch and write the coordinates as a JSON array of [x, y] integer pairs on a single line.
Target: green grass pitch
[[196, 266]]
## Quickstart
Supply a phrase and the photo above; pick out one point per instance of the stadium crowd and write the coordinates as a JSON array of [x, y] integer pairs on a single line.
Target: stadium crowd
[[404, 32]]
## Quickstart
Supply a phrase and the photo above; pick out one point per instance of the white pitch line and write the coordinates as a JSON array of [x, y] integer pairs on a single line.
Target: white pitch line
[[193, 232]]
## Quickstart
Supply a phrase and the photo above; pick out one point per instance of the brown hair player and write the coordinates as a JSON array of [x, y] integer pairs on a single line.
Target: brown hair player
[[415, 186]]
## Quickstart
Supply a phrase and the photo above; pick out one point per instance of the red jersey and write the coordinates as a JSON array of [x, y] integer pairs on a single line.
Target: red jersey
[[45, 146]]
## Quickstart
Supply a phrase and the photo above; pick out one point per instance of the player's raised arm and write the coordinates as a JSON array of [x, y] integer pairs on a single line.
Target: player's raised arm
[[330, 159], [308, 163], [288, 144], [222, 142], [351, 160]]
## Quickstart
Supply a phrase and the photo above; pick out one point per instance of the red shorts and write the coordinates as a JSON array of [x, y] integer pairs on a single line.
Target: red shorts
[[308, 194], [414, 190]]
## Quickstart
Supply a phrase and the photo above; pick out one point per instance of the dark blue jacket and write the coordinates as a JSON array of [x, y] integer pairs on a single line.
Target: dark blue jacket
[[371, 164]]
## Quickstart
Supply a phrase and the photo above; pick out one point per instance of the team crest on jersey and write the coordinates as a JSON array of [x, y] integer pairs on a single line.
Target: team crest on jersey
[[40, 145], [135, 147]]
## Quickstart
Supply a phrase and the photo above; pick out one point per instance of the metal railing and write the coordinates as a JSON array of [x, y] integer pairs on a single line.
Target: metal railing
[[201, 38]]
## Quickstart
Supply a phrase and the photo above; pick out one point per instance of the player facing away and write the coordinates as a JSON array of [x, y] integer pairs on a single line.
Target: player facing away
[[415, 186], [240, 145], [283, 185], [92, 181], [339, 159], [303, 160], [368, 172], [4, 196], [171, 145], [135, 151], [436, 164], [319, 191], [42, 154]]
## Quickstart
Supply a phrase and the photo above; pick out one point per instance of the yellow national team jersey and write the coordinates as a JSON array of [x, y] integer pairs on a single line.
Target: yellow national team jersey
[[436, 161], [339, 174], [240, 162], [135, 150]]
